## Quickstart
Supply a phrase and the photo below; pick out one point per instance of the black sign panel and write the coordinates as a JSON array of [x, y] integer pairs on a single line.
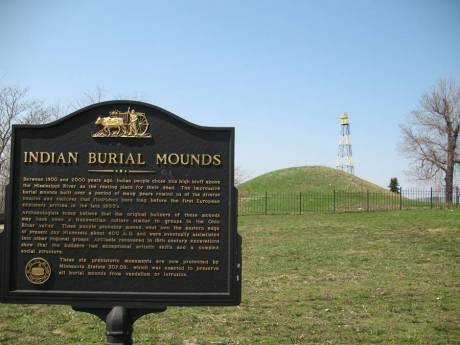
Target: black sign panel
[[121, 203]]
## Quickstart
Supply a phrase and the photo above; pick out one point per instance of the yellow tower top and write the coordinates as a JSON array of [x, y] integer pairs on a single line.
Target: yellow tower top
[[344, 119]]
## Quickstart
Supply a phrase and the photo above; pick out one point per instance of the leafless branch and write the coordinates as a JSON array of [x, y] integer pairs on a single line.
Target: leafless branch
[[240, 176], [16, 107], [97, 95], [430, 138]]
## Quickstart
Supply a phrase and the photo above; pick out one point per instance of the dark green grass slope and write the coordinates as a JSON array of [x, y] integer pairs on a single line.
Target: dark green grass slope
[[347, 279]]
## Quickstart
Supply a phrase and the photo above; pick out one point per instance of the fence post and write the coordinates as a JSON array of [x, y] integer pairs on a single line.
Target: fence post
[[367, 200], [300, 202], [266, 197], [400, 198], [334, 201], [431, 197]]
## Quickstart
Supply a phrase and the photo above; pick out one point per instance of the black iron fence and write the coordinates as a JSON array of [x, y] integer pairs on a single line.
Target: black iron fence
[[333, 201], [343, 201]]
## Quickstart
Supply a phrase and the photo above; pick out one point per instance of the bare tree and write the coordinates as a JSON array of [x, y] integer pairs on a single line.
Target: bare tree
[[15, 107], [12, 106], [431, 135], [97, 95], [240, 176], [100, 94]]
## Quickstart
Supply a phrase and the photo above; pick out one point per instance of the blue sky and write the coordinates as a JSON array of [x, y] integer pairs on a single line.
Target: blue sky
[[281, 72]]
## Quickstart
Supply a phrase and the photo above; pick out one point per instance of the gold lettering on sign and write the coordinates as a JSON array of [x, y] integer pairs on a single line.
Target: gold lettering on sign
[[115, 158], [45, 157], [81, 224], [188, 159]]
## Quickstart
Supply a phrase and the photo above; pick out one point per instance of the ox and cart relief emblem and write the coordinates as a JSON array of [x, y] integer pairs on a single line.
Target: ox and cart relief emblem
[[128, 124]]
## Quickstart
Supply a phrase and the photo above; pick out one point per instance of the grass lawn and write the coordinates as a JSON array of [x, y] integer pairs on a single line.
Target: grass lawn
[[357, 278]]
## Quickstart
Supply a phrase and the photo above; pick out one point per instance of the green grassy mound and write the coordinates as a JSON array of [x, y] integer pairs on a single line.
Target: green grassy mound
[[308, 179], [316, 189]]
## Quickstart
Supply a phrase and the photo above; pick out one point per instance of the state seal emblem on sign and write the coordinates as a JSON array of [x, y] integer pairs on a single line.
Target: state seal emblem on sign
[[119, 124], [38, 271]]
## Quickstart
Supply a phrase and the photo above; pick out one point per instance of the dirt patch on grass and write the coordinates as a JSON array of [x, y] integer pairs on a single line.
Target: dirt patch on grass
[[440, 231], [189, 342]]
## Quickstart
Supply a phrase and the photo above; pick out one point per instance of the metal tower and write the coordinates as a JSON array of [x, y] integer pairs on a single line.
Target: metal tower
[[344, 157]]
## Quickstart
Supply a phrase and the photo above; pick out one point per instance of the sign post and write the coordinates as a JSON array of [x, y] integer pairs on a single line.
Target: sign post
[[121, 209]]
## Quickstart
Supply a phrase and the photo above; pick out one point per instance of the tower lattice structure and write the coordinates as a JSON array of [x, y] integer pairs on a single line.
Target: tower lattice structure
[[344, 156]]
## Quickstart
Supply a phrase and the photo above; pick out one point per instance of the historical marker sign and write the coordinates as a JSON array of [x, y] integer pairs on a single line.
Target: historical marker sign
[[121, 203]]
